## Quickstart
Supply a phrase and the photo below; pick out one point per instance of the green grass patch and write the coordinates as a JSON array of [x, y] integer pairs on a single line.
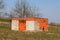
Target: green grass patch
[[5, 20]]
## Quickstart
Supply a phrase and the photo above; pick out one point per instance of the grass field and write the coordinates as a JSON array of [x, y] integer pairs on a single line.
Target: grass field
[[7, 34]]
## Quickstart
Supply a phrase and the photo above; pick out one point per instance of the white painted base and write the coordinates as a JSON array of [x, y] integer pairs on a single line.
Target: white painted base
[[14, 24], [32, 26]]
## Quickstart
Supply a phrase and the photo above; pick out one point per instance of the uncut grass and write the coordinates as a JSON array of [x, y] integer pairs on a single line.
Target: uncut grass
[[7, 34]]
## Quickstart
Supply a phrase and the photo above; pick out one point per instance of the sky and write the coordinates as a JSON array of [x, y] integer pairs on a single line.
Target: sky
[[48, 8]]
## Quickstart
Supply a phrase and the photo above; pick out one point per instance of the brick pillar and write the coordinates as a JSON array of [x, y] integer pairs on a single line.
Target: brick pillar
[[44, 24]]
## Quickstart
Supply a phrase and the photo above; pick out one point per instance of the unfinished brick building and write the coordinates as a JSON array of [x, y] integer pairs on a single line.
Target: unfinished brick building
[[29, 24]]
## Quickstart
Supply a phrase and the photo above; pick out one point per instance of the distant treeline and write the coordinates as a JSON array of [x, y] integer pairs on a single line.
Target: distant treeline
[[54, 24]]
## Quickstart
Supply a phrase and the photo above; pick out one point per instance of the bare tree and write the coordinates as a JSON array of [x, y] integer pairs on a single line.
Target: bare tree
[[1, 4], [23, 10], [1, 7]]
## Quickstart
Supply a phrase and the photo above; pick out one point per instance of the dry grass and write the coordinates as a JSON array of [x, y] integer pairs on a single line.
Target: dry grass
[[7, 34]]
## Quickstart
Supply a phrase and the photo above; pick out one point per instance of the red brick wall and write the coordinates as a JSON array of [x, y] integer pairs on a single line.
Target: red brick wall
[[43, 23]]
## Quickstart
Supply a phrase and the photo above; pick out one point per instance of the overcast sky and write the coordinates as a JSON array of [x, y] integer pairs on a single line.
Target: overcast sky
[[49, 8]]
